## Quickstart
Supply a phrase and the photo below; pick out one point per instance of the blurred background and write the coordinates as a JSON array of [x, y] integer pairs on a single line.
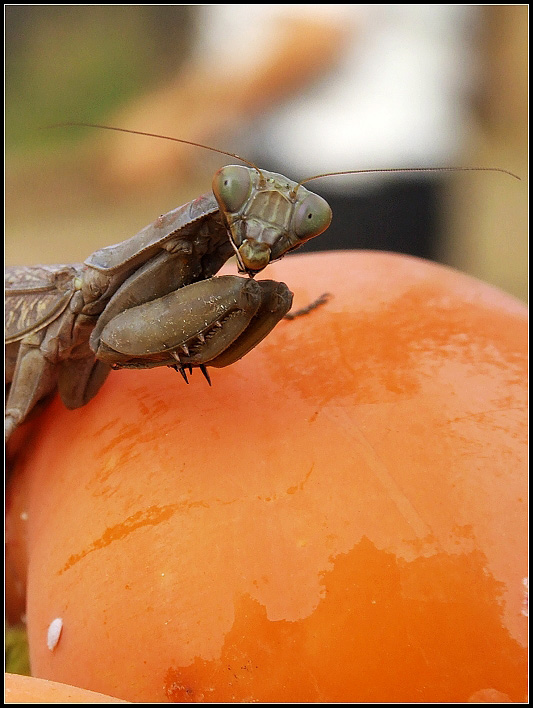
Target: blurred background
[[300, 89]]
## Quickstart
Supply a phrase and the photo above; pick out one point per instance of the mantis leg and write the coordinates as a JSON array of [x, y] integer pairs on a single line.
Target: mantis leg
[[211, 322], [80, 379], [34, 377]]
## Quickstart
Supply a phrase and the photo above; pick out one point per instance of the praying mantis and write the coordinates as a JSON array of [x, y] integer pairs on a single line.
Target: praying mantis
[[155, 299]]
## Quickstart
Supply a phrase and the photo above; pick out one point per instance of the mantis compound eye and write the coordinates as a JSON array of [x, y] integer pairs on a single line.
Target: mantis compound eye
[[232, 185], [311, 217]]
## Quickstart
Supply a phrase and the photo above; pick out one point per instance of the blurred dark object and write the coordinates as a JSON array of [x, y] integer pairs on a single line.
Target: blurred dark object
[[402, 216]]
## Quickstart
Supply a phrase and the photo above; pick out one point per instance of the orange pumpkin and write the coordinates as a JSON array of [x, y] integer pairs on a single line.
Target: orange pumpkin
[[26, 689], [341, 517]]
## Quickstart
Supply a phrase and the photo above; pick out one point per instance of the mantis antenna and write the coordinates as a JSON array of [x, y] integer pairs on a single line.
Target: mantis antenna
[[406, 169], [163, 137]]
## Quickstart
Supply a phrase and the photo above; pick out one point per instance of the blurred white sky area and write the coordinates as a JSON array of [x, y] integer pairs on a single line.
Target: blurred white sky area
[[398, 96]]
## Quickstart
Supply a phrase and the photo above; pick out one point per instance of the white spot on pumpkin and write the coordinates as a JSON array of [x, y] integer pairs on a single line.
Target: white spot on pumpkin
[[525, 599], [54, 632]]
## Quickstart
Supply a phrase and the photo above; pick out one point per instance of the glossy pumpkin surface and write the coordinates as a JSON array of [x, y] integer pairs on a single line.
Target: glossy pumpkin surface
[[341, 517]]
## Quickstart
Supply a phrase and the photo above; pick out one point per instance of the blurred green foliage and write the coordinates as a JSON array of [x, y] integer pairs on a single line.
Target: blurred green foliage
[[81, 62], [17, 659]]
